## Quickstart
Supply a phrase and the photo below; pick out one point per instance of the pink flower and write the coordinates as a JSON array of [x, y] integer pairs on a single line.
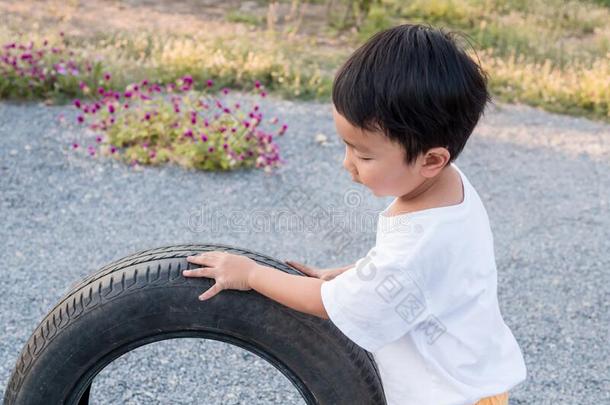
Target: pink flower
[[101, 91], [112, 148], [204, 138], [225, 91], [283, 129], [188, 133], [263, 93], [225, 146], [257, 84], [110, 108], [128, 94], [80, 119], [107, 76], [210, 83], [98, 139], [226, 110], [74, 145], [77, 103], [211, 149]]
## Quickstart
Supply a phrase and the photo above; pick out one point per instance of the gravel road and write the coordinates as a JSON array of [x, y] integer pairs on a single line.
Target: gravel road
[[544, 179]]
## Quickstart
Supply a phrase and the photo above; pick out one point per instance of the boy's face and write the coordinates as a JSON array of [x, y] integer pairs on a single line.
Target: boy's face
[[376, 162]]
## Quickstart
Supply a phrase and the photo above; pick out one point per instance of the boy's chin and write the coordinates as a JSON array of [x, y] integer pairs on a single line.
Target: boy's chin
[[382, 193], [376, 193]]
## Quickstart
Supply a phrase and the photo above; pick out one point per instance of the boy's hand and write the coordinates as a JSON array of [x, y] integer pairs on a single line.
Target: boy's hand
[[322, 274], [230, 271]]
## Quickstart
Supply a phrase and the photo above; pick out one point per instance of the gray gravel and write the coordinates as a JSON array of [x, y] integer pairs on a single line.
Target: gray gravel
[[544, 179]]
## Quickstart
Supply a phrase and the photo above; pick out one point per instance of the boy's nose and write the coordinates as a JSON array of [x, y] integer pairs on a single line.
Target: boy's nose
[[352, 172], [347, 165]]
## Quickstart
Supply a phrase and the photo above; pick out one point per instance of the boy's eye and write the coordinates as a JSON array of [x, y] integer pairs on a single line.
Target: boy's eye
[[362, 158]]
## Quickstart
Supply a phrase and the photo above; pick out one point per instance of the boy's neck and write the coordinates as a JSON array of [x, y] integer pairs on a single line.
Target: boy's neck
[[443, 190]]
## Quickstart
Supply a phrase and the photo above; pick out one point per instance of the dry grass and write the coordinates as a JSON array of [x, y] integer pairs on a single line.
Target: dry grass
[[549, 53]]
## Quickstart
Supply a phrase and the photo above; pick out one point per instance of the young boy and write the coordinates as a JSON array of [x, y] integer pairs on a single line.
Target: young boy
[[423, 300]]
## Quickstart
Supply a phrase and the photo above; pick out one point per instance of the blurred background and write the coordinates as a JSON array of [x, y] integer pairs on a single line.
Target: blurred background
[[548, 53]]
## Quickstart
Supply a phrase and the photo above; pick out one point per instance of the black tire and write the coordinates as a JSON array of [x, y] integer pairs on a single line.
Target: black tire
[[103, 317]]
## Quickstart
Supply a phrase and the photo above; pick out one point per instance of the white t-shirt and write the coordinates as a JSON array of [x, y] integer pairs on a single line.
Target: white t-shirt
[[423, 301]]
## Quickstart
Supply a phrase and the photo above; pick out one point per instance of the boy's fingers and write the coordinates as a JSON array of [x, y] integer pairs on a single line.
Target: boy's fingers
[[293, 264], [200, 272], [303, 269], [210, 292], [202, 258]]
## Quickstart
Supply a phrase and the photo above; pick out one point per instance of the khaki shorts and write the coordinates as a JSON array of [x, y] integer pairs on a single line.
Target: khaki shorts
[[500, 399]]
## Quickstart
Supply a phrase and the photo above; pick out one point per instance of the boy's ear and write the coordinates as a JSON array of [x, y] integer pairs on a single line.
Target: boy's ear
[[434, 160]]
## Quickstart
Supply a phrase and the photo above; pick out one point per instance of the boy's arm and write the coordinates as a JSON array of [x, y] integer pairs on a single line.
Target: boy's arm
[[297, 292]]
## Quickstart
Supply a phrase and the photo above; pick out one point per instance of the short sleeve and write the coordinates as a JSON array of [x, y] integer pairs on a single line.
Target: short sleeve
[[378, 300]]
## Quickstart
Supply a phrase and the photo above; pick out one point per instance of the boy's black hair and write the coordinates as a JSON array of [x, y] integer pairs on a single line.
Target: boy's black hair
[[413, 83]]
